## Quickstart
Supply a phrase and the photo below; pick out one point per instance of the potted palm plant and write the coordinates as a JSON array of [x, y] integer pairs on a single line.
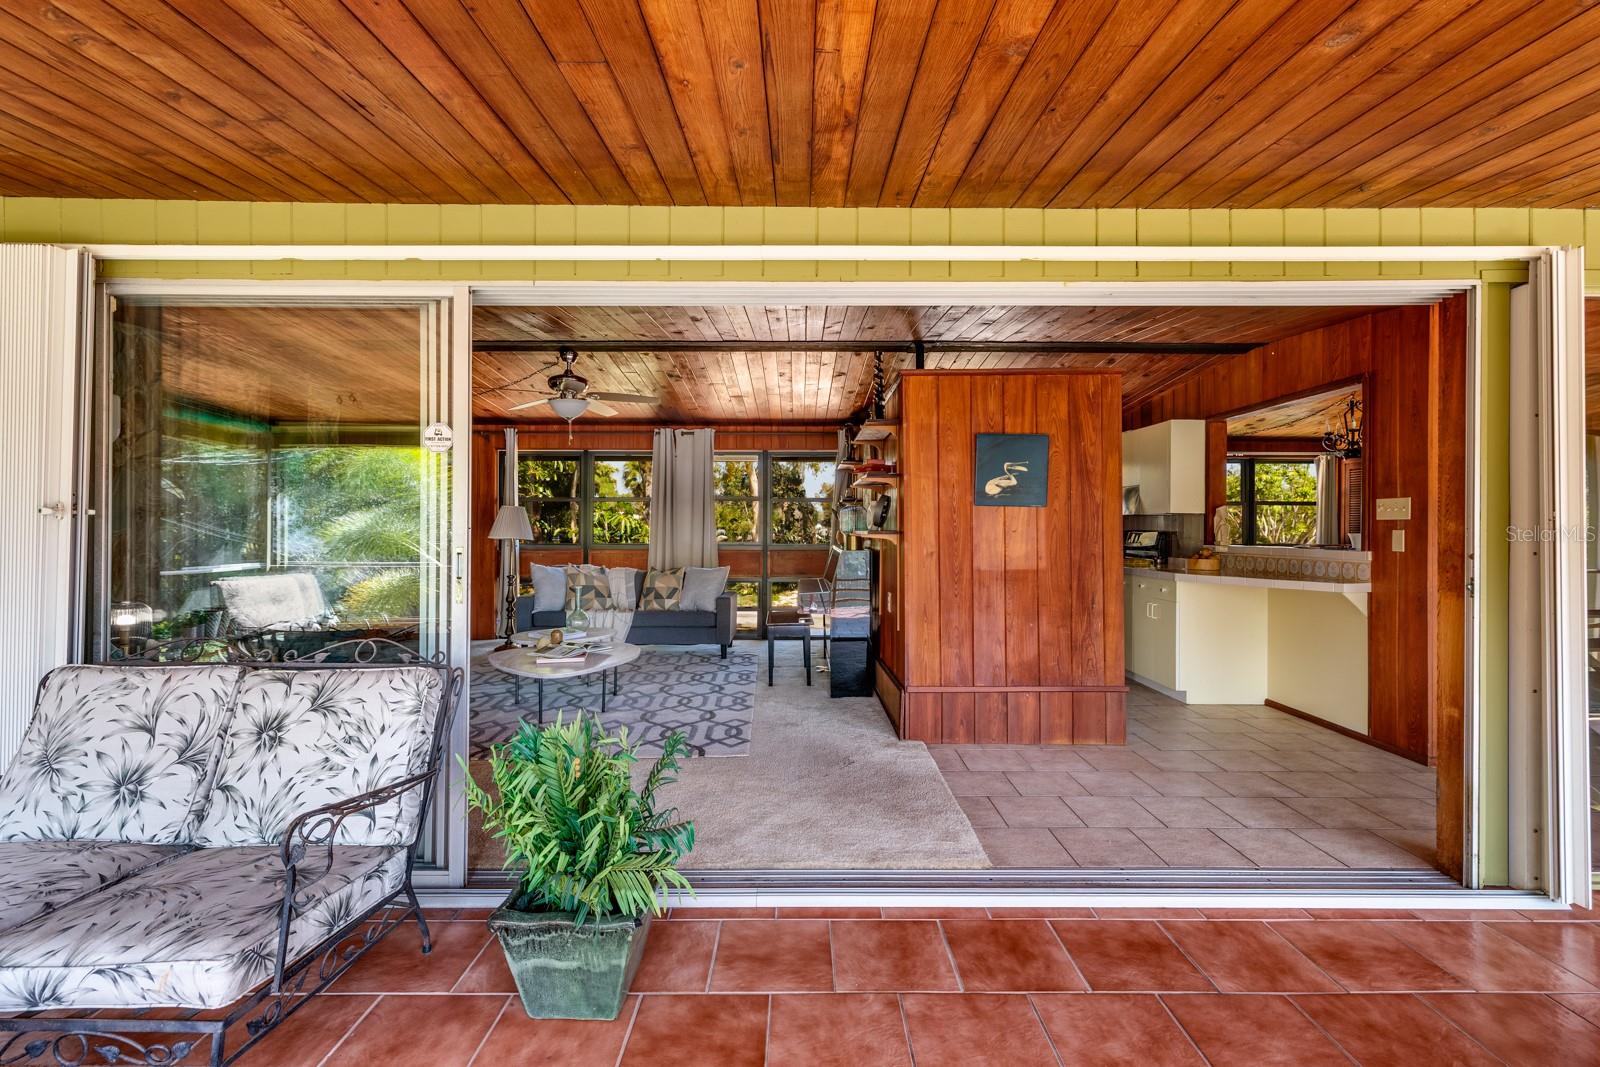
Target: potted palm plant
[[597, 858]]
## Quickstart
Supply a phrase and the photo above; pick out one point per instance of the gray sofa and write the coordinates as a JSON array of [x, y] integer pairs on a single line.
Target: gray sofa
[[652, 627]]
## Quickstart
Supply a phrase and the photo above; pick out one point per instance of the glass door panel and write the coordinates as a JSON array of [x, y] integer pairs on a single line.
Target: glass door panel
[[262, 484]]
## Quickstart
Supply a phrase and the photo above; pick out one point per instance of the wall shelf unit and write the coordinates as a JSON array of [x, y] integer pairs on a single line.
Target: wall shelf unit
[[876, 430], [878, 481]]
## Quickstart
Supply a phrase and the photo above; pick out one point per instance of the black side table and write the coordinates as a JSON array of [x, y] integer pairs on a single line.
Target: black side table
[[788, 624]]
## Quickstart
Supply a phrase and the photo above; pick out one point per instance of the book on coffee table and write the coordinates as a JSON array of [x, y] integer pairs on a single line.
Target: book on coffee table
[[564, 653]]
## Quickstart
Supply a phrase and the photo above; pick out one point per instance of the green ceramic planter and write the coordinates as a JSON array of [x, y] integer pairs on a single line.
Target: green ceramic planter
[[566, 971]]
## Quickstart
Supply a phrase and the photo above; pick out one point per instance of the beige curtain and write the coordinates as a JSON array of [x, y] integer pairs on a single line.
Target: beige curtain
[[683, 531]]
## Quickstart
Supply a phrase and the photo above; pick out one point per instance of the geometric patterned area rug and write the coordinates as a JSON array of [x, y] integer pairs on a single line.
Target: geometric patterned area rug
[[710, 699]]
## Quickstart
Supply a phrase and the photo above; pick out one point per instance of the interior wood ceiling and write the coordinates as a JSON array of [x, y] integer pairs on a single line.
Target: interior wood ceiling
[[1079, 103], [820, 385], [1306, 417]]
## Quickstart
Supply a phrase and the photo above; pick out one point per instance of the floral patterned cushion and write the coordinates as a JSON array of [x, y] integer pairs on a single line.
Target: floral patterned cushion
[[117, 754], [41, 876], [299, 739], [199, 931]]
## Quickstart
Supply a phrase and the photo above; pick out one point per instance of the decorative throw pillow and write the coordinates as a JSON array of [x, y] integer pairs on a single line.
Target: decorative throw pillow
[[701, 587], [549, 588], [587, 588], [663, 590]]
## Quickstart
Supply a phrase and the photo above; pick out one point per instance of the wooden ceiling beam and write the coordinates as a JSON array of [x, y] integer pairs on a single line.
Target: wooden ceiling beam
[[1157, 348]]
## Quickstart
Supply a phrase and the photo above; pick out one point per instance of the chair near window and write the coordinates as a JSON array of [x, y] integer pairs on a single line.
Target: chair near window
[[841, 598]]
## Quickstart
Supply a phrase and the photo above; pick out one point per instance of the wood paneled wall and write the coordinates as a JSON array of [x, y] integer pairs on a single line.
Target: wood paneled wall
[[1012, 616], [1412, 363], [487, 439]]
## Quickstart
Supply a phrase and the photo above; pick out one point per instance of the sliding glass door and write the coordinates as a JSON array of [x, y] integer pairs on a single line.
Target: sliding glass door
[[262, 482]]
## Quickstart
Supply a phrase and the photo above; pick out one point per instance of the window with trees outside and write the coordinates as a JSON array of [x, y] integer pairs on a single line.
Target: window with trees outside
[[802, 500], [1271, 501], [578, 498], [620, 500], [551, 489], [737, 479]]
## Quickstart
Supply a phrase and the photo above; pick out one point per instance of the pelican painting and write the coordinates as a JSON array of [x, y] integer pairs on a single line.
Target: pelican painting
[[1008, 480], [1010, 469]]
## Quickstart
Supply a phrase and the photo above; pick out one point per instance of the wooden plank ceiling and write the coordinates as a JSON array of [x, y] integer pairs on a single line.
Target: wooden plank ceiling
[[1079, 103], [1306, 417], [820, 385]]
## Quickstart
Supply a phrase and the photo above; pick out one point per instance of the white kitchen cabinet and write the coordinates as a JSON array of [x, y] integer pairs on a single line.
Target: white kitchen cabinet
[[1167, 462], [1200, 642], [1154, 631]]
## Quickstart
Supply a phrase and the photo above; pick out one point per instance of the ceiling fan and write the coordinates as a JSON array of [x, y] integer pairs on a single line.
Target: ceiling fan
[[571, 393]]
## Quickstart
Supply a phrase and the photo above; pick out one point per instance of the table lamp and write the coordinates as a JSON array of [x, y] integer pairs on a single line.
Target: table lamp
[[511, 525]]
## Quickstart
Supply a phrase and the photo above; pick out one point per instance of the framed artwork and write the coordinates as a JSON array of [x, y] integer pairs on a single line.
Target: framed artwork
[[1011, 470]]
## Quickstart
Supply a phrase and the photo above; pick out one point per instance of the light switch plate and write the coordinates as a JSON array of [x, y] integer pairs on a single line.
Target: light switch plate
[[1394, 508], [1397, 540]]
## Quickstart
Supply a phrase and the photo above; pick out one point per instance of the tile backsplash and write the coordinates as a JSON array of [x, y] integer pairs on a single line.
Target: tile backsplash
[[1307, 565]]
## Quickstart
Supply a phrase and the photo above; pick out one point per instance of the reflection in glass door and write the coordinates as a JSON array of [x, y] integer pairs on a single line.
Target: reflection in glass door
[[261, 480]]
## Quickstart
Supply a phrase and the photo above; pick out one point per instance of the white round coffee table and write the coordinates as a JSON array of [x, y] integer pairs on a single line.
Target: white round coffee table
[[523, 663]]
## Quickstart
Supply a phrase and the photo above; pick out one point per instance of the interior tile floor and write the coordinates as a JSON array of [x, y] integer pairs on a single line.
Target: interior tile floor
[[1018, 988], [1197, 786]]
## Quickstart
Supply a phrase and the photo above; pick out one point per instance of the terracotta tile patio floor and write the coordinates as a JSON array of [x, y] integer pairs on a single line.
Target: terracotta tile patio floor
[[863, 988], [1197, 786]]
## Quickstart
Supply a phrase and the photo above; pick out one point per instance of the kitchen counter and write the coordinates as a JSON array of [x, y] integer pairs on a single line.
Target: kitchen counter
[[1260, 583], [1248, 639]]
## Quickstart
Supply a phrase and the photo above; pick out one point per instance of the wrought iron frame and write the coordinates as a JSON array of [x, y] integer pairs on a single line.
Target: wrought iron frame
[[307, 855]]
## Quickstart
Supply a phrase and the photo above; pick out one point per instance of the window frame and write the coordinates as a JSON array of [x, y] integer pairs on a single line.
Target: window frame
[[592, 498], [543, 453], [758, 499], [771, 498], [1248, 503]]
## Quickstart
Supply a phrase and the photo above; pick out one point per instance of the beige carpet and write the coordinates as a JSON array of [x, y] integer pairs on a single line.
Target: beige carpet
[[826, 785]]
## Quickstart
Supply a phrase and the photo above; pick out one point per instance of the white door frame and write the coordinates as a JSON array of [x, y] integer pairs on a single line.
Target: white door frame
[[1562, 758], [45, 318]]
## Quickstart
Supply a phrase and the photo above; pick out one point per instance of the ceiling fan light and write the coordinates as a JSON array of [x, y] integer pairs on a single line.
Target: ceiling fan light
[[568, 407]]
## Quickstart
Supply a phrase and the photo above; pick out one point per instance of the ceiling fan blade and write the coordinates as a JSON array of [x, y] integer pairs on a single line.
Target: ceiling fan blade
[[624, 398], [529, 404], [599, 407]]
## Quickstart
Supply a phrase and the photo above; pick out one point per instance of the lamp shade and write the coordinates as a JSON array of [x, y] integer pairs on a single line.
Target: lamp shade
[[568, 407], [127, 614], [511, 524]]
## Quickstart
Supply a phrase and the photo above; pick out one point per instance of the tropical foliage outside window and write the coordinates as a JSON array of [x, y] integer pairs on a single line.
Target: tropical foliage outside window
[[351, 514], [234, 506], [213, 491], [551, 489], [746, 604], [737, 482], [621, 508], [802, 500], [1272, 501]]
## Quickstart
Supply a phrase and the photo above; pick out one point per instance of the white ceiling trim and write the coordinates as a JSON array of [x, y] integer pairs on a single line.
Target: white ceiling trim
[[1266, 292], [635, 253]]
